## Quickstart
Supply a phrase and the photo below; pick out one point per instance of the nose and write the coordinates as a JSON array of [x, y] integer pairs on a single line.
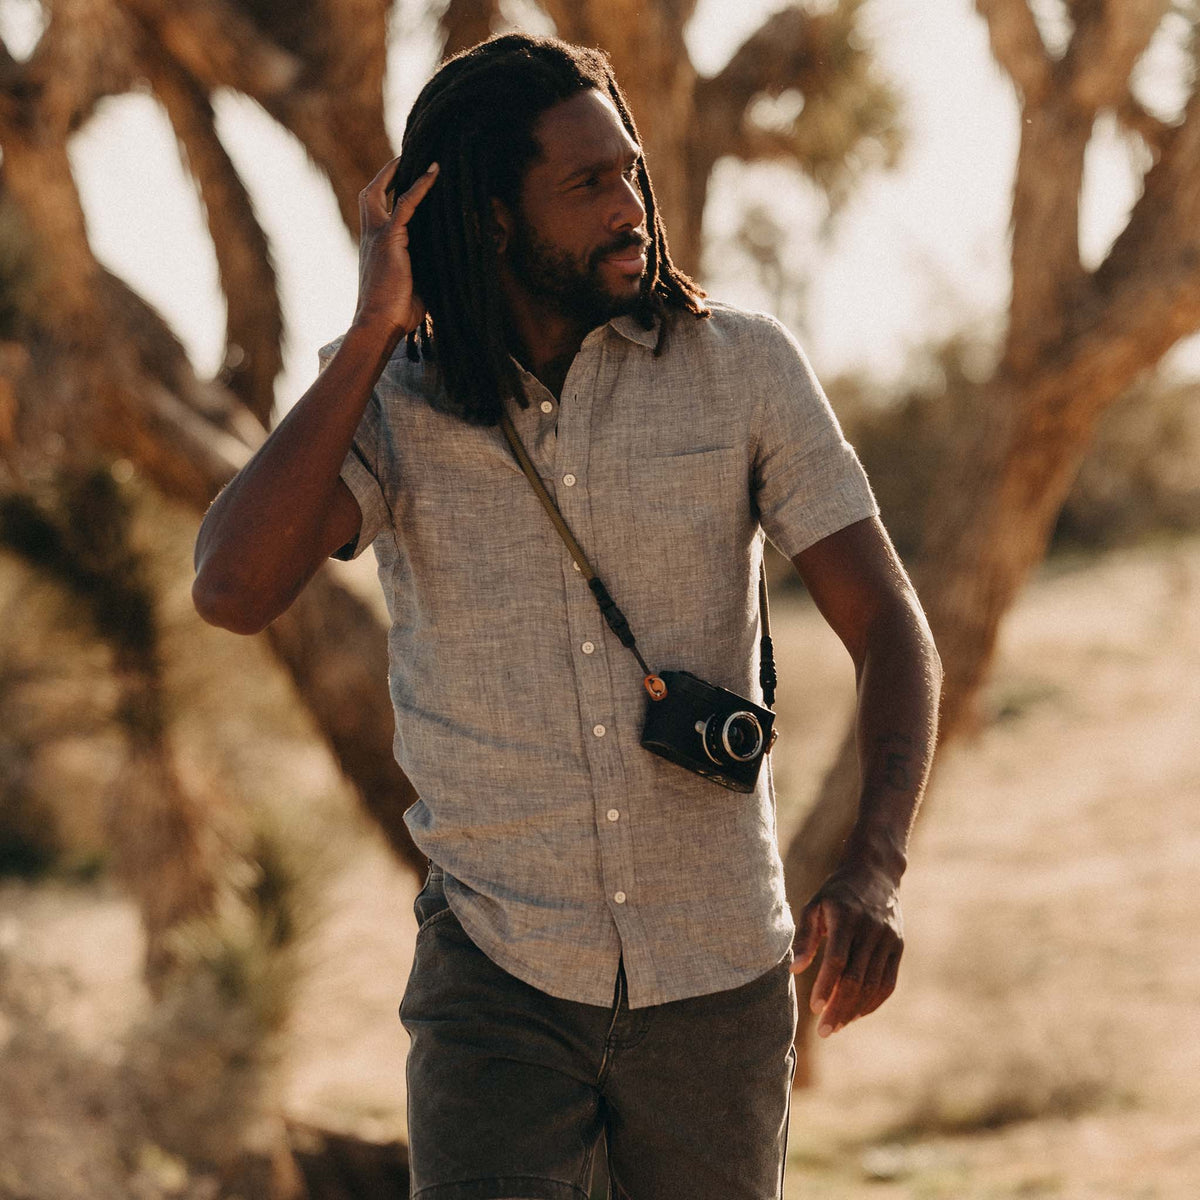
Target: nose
[[629, 211]]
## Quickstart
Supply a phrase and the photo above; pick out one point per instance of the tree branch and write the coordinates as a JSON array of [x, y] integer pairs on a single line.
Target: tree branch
[[1017, 46], [845, 103], [218, 45], [786, 51], [85, 53], [254, 322], [1158, 252], [466, 22], [1134, 117], [1105, 47], [336, 111]]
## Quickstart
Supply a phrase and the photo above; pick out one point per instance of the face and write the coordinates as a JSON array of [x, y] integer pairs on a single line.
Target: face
[[577, 245]]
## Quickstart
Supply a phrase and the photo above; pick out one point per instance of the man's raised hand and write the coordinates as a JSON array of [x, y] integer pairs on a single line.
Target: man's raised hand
[[386, 298]]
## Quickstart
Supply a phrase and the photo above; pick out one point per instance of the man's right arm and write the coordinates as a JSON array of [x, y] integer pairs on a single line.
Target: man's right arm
[[287, 510]]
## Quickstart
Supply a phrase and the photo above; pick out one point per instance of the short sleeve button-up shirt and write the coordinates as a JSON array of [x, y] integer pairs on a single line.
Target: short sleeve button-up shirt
[[567, 847]]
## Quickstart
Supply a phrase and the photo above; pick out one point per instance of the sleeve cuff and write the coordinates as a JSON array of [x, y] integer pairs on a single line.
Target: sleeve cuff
[[365, 490], [839, 497]]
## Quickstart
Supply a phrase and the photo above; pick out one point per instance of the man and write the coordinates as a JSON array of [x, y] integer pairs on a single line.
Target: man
[[604, 946]]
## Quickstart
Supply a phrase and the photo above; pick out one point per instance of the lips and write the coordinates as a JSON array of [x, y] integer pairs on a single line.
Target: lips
[[628, 258]]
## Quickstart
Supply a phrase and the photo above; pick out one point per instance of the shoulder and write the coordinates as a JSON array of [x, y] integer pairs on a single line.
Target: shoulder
[[753, 351], [732, 330]]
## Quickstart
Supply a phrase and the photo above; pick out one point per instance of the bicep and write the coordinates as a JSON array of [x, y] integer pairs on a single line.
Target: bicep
[[855, 578]]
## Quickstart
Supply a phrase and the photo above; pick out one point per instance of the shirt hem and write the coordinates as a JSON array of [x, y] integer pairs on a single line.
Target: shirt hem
[[498, 952]]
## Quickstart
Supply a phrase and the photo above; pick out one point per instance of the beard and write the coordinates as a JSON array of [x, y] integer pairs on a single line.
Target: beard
[[569, 284]]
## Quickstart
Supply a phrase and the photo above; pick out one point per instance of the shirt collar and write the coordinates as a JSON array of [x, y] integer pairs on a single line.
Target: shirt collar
[[630, 327]]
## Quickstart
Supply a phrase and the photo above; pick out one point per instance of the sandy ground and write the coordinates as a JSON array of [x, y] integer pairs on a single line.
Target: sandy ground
[[1045, 1037]]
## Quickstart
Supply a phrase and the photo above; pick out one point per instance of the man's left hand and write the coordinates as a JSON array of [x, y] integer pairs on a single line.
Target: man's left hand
[[857, 913]]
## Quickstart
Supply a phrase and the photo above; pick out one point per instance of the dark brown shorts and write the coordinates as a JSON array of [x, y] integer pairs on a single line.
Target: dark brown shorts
[[510, 1090]]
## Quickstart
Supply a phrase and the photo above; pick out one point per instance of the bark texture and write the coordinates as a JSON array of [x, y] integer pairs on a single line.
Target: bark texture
[[1075, 340]]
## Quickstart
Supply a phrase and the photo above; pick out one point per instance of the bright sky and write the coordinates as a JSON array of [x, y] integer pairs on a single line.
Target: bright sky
[[918, 252]]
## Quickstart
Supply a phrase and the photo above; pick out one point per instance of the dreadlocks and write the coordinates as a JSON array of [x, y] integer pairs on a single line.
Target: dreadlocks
[[475, 118]]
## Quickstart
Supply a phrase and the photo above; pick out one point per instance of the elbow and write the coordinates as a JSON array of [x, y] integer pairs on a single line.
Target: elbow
[[227, 607]]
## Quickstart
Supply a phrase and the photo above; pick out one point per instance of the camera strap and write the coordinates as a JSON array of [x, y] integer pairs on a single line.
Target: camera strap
[[614, 617]]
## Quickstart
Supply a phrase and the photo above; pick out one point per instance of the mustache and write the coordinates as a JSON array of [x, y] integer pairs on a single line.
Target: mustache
[[630, 240]]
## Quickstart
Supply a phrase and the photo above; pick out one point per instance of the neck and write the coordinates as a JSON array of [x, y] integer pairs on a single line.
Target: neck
[[543, 338]]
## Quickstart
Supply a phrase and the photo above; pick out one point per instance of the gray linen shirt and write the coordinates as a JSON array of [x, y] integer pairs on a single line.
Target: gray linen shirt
[[566, 846]]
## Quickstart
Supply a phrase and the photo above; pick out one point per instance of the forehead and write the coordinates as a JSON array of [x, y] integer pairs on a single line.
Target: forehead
[[582, 130]]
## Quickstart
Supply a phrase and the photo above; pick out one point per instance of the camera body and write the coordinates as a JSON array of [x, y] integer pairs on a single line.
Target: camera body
[[708, 730]]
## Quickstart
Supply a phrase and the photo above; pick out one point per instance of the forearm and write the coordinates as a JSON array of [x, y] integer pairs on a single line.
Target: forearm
[[861, 589], [264, 535], [899, 682]]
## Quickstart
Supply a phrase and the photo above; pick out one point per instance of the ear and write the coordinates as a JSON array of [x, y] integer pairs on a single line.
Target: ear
[[502, 224]]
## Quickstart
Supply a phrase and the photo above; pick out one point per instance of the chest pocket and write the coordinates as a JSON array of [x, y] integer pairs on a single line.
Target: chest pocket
[[690, 511]]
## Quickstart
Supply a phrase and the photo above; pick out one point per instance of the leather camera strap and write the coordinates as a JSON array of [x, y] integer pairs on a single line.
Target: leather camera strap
[[608, 608]]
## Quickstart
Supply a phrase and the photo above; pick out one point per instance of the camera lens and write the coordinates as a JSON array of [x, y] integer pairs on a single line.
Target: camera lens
[[738, 739], [742, 736]]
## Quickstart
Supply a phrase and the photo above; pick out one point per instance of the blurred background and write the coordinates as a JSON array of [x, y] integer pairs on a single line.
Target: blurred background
[[983, 222]]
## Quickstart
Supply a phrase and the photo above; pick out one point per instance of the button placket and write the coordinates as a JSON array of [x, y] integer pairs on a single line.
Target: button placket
[[592, 673]]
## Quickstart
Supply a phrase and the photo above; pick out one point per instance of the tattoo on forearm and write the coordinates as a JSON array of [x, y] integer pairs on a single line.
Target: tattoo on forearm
[[894, 761]]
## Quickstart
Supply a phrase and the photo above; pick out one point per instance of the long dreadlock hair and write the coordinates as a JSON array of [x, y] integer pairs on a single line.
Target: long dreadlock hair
[[475, 118]]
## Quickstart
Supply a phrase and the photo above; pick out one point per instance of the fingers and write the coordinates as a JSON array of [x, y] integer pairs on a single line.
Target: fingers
[[837, 953], [372, 206], [406, 205], [858, 968], [848, 993], [887, 983], [372, 200]]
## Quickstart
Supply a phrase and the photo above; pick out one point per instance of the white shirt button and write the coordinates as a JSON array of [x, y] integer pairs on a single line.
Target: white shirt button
[[588, 648], [569, 480], [599, 730], [620, 897], [613, 815], [547, 407]]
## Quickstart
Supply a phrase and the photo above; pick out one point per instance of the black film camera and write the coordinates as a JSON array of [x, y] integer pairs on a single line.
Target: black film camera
[[704, 728]]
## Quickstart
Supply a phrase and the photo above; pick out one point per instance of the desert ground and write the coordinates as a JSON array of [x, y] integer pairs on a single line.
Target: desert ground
[[1044, 1040]]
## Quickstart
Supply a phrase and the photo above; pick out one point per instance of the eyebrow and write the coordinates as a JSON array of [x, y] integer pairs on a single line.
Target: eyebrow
[[594, 168]]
